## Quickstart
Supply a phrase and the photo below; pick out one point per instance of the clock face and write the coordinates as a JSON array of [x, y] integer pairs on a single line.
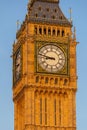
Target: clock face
[[51, 58], [18, 64]]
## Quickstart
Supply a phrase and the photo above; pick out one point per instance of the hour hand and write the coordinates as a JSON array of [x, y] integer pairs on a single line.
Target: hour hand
[[47, 57], [51, 58]]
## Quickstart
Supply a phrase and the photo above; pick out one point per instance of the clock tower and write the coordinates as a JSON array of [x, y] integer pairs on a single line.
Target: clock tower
[[44, 70]]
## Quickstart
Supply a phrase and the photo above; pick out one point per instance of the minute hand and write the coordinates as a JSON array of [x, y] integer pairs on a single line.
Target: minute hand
[[47, 57]]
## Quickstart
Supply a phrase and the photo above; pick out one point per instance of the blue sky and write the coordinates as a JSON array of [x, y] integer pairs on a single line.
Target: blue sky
[[10, 12]]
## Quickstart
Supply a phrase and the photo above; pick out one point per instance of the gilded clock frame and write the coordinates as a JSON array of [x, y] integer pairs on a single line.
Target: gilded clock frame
[[63, 46]]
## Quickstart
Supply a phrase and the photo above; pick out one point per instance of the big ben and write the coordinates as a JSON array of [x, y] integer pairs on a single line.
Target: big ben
[[44, 70]]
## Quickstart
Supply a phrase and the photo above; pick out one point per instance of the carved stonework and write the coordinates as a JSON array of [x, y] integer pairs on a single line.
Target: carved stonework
[[44, 95]]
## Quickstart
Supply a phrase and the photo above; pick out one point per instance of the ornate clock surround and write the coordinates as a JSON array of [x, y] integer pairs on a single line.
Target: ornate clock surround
[[63, 46]]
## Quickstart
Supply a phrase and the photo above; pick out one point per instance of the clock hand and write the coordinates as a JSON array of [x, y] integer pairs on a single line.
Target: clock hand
[[47, 57], [51, 58]]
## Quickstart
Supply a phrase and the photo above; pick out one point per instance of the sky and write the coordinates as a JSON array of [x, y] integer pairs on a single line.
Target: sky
[[10, 12]]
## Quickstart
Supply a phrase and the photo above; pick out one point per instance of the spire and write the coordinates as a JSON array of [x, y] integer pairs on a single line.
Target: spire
[[46, 11], [32, 1]]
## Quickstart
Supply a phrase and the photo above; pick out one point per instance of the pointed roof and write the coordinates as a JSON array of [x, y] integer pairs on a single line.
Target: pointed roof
[[46, 11]]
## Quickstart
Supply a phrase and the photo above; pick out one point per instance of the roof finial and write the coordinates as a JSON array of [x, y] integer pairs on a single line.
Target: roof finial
[[18, 23], [74, 34], [70, 11]]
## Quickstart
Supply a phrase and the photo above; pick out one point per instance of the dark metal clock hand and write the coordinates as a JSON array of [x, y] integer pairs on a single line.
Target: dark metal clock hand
[[51, 58], [47, 57]]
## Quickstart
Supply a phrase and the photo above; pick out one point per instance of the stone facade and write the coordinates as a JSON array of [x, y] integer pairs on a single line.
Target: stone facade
[[44, 101]]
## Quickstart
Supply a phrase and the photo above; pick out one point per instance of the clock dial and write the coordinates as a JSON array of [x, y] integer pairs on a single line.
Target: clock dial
[[18, 64], [51, 58]]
